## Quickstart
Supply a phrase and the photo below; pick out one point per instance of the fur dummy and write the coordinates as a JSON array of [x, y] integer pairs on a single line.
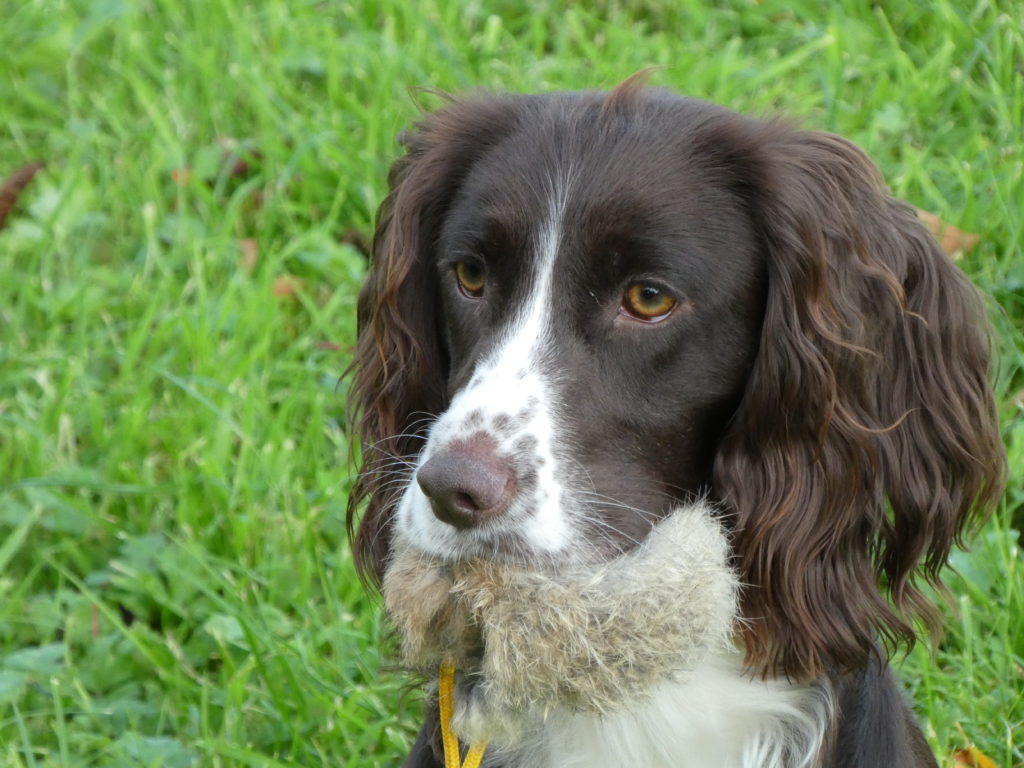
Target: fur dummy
[[586, 638]]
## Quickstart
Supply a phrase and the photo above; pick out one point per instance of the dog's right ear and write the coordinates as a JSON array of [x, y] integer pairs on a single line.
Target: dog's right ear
[[400, 369]]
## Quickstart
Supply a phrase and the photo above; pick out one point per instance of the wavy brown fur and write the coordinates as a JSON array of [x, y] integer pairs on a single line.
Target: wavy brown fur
[[867, 439]]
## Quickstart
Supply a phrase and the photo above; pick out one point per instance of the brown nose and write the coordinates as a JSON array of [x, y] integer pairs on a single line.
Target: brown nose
[[467, 483]]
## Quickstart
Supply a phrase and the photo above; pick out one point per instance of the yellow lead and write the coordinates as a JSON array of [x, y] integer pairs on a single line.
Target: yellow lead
[[445, 701]]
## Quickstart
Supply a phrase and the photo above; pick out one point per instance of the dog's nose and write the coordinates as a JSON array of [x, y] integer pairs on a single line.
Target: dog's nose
[[467, 483]]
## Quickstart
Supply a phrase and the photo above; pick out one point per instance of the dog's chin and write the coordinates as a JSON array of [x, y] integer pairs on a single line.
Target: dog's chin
[[582, 637], [500, 550], [500, 544], [511, 549]]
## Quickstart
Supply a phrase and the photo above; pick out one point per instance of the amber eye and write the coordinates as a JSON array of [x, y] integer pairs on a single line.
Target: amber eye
[[647, 302], [471, 279]]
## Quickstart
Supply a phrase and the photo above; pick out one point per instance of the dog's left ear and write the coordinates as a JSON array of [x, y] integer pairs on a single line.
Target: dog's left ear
[[867, 437]]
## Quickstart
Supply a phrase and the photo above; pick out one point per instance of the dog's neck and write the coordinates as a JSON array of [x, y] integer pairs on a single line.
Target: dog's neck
[[591, 640], [719, 717]]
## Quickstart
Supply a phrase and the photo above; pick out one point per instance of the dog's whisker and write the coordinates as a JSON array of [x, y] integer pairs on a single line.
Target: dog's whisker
[[375, 446], [405, 469]]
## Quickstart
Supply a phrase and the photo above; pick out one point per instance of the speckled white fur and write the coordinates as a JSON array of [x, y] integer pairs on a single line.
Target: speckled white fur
[[508, 383]]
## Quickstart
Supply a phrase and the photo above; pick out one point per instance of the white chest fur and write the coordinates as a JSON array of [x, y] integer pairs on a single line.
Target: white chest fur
[[718, 718]]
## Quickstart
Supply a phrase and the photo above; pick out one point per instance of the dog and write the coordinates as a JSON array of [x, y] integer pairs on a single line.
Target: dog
[[596, 319]]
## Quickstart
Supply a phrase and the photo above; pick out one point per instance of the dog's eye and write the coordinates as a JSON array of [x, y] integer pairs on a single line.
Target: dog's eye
[[471, 278], [647, 302]]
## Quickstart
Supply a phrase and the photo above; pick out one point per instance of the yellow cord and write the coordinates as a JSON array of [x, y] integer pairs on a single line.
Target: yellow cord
[[445, 700]]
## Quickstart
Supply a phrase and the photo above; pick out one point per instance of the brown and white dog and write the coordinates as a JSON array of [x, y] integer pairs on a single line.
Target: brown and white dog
[[599, 322]]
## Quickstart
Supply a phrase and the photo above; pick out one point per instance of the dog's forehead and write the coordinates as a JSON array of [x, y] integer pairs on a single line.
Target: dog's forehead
[[648, 166], [600, 164], [619, 198]]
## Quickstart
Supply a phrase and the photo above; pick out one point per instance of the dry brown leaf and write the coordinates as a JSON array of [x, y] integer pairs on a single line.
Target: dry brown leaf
[[237, 156], [12, 187], [287, 287], [972, 757], [954, 241], [250, 250]]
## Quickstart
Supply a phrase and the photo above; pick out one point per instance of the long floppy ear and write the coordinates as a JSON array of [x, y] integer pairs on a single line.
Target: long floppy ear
[[400, 368], [867, 438]]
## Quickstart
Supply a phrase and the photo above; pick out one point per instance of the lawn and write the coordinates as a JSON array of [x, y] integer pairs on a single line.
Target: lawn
[[176, 306]]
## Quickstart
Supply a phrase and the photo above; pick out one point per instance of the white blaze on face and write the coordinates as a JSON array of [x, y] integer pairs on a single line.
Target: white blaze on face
[[509, 397]]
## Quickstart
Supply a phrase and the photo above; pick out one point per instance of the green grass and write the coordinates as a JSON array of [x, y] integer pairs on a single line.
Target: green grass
[[175, 585]]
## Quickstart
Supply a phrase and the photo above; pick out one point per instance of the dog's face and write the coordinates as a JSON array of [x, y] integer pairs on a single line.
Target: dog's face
[[584, 308], [599, 324]]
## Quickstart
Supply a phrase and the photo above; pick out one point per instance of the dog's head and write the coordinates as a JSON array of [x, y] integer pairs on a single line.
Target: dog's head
[[586, 307]]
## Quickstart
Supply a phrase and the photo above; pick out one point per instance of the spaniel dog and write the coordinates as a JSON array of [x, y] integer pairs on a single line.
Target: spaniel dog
[[665, 412]]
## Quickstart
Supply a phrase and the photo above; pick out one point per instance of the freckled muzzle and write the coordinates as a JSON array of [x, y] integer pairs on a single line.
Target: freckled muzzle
[[585, 638]]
